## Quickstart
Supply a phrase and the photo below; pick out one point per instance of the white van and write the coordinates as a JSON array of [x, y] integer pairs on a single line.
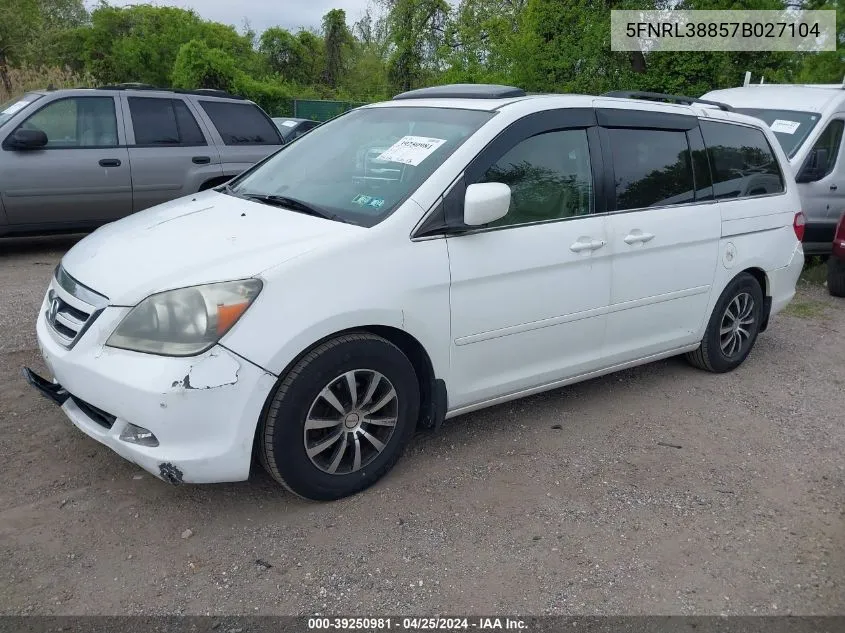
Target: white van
[[808, 120], [410, 261]]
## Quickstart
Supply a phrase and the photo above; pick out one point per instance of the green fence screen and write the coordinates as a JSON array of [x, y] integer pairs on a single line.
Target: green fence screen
[[317, 110]]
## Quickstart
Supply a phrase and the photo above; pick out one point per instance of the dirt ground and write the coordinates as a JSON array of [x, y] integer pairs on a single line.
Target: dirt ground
[[661, 489]]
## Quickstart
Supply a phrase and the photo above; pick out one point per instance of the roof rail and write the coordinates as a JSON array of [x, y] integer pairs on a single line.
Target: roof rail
[[202, 92], [659, 96], [463, 91]]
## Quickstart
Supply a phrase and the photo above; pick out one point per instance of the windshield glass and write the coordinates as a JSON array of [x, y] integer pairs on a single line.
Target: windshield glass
[[364, 164], [790, 127], [10, 108]]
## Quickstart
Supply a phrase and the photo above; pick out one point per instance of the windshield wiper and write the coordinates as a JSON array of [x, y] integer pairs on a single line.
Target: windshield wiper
[[294, 204]]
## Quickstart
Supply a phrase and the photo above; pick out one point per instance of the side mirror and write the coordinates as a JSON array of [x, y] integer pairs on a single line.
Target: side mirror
[[486, 202], [27, 139], [814, 167]]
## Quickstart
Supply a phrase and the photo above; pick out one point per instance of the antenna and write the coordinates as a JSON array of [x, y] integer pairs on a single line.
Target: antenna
[[747, 78]]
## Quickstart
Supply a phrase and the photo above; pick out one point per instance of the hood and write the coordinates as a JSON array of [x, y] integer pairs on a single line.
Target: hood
[[199, 239]]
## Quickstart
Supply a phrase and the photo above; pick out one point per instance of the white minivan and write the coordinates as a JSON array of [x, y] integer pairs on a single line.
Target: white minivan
[[808, 121], [410, 261]]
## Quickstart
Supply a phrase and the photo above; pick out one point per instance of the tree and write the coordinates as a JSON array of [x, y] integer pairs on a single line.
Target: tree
[[416, 32], [285, 54], [28, 28], [338, 42]]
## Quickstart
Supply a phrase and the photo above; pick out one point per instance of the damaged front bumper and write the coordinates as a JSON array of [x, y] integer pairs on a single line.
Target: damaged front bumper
[[201, 410]]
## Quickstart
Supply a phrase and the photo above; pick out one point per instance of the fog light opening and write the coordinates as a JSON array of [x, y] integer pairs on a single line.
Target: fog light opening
[[139, 435]]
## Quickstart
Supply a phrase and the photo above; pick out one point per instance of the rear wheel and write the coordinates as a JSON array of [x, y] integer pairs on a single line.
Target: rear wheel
[[341, 417], [733, 327], [836, 277]]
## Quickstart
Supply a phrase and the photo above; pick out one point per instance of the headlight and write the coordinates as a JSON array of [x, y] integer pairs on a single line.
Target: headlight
[[186, 321]]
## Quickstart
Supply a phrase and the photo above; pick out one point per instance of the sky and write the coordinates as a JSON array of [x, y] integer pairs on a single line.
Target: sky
[[291, 14]]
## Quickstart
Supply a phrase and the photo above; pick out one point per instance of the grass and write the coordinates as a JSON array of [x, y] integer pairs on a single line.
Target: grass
[[806, 308], [815, 271], [31, 78]]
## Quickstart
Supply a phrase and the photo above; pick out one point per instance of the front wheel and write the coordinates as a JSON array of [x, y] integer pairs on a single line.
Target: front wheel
[[733, 327], [341, 417]]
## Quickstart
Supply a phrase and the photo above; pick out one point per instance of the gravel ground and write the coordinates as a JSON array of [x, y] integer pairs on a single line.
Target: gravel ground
[[661, 489]]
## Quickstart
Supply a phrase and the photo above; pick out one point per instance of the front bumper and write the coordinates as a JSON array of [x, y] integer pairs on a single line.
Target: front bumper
[[203, 409]]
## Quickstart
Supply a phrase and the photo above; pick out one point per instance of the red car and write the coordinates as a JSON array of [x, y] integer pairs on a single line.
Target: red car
[[836, 262]]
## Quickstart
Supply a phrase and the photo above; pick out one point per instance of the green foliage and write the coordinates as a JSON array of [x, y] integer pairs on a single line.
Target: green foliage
[[198, 66], [540, 45], [338, 44]]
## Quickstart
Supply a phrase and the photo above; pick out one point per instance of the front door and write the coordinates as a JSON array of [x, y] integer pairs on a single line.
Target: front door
[[81, 177], [824, 199], [529, 292]]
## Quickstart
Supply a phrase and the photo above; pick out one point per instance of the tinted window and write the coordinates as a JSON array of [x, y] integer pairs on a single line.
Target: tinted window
[[549, 176], [652, 168], [241, 123], [163, 122], [831, 140], [741, 161], [791, 128], [189, 129], [76, 122]]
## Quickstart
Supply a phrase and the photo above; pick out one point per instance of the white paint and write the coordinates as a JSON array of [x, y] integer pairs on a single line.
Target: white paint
[[784, 126], [288, 123], [411, 150], [500, 314]]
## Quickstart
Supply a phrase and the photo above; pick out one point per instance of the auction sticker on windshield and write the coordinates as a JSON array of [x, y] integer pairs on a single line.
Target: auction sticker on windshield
[[411, 150], [784, 127]]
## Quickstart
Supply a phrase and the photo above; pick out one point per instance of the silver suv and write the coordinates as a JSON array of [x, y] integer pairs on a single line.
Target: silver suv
[[76, 159]]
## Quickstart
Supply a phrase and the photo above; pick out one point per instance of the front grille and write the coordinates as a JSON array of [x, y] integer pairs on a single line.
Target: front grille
[[71, 307], [106, 420]]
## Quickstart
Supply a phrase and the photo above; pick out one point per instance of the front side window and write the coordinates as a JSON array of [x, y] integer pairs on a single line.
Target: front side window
[[741, 160], [791, 128], [652, 168], [76, 122], [163, 122], [549, 176], [241, 123], [362, 165], [830, 140]]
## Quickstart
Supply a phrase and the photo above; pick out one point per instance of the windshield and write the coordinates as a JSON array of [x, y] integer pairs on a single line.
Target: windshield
[[790, 127], [10, 108], [364, 164]]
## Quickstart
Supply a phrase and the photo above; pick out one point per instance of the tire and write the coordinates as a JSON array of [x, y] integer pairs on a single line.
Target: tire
[[836, 277], [313, 411], [720, 351]]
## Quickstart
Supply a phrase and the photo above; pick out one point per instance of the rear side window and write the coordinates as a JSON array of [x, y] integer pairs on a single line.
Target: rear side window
[[741, 160], [241, 123], [651, 168], [163, 122]]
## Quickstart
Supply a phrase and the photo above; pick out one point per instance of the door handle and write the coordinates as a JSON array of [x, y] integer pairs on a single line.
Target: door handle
[[833, 187], [110, 162], [201, 160], [633, 238], [586, 245]]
